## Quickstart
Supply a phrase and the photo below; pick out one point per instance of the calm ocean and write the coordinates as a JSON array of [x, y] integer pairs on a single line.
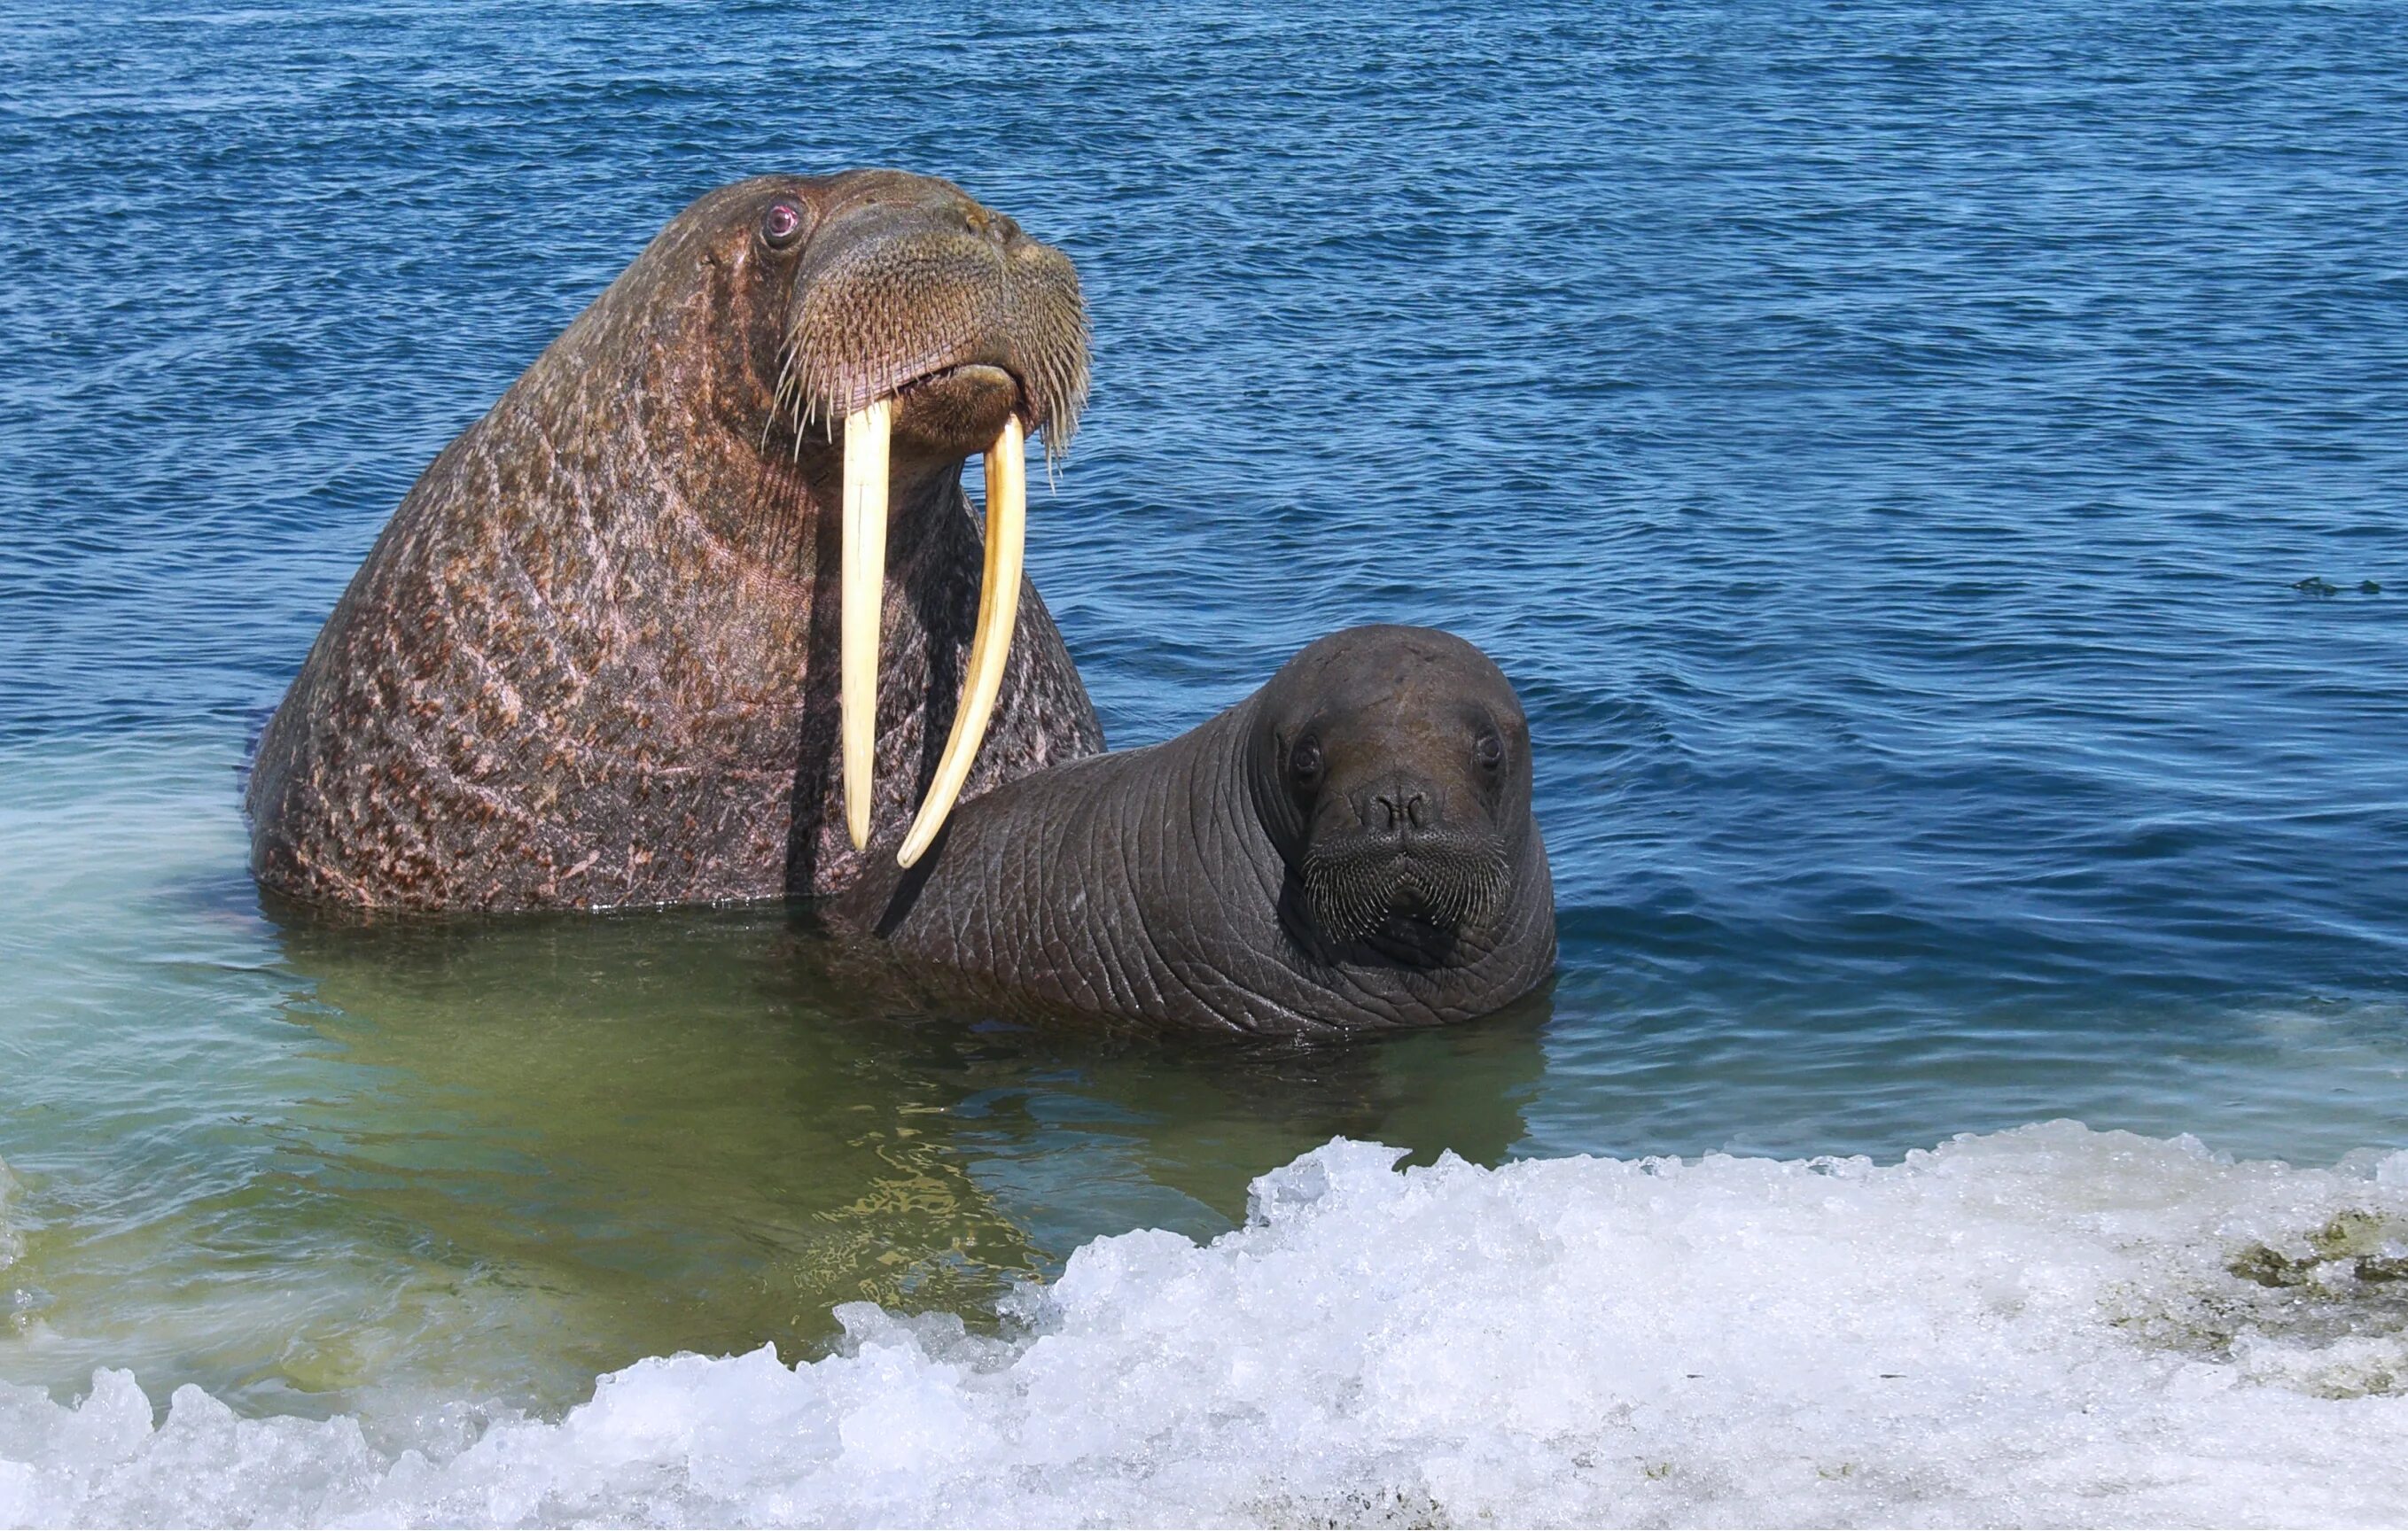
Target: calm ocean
[[1938, 476]]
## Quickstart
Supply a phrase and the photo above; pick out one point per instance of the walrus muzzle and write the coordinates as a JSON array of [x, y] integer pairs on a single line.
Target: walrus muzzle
[[1355, 890], [885, 317]]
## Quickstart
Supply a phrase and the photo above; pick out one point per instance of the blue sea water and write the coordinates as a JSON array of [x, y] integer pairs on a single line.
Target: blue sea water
[[1938, 474]]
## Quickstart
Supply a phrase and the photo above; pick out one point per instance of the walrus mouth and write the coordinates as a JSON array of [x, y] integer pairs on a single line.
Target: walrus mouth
[[1441, 887], [942, 375], [867, 432]]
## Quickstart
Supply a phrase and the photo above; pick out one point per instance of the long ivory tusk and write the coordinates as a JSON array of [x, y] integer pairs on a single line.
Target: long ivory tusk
[[864, 598], [1007, 538]]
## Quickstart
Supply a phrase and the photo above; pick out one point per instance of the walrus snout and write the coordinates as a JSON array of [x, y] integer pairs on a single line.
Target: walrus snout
[[901, 290], [1401, 807], [1354, 891], [1392, 853]]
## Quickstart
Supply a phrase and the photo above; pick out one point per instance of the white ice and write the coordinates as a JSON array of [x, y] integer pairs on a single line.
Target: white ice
[[2034, 1327]]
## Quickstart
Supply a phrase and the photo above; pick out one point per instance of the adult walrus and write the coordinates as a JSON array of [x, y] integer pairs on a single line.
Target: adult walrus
[[595, 657], [1350, 847]]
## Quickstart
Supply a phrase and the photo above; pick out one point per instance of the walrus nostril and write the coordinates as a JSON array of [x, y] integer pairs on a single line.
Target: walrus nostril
[[994, 227], [1403, 810]]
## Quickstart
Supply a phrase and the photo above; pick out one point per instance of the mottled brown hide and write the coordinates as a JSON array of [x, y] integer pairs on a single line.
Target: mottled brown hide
[[592, 661]]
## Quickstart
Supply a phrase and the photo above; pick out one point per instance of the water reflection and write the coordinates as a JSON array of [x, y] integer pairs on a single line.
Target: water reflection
[[703, 1129], [318, 1167]]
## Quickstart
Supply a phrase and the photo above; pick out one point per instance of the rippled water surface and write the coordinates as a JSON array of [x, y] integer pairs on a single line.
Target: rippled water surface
[[1938, 476]]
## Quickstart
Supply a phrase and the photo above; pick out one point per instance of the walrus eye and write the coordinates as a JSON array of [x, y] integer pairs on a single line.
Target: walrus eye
[[1488, 749], [1304, 762], [781, 224]]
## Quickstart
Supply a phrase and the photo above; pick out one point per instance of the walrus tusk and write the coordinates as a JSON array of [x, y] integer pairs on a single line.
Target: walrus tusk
[[1007, 540], [864, 602]]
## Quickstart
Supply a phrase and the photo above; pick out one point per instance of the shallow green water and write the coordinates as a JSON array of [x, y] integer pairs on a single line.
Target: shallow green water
[[322, 1168], [405, 1170]]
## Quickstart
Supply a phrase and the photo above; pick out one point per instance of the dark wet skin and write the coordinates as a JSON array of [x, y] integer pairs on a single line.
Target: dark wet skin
[[1351, 847], [592, 661]]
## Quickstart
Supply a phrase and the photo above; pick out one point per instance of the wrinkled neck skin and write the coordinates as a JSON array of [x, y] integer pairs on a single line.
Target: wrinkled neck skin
[[692, 444], [1142, 885]]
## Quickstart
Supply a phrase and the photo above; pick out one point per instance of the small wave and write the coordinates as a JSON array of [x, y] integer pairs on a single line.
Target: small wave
[[12, 1246], [14, 1300], [2045, 1326]]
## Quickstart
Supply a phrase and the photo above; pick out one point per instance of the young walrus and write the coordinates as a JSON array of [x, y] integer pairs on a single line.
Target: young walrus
[[634, 637], [1351, 847]]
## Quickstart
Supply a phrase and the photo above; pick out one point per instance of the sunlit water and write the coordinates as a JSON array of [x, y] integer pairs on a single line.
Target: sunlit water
[[1885, 445]]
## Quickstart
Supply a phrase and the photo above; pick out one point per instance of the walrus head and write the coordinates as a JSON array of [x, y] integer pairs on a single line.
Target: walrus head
[[1391, 768], [900, 290], [883, 328]]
